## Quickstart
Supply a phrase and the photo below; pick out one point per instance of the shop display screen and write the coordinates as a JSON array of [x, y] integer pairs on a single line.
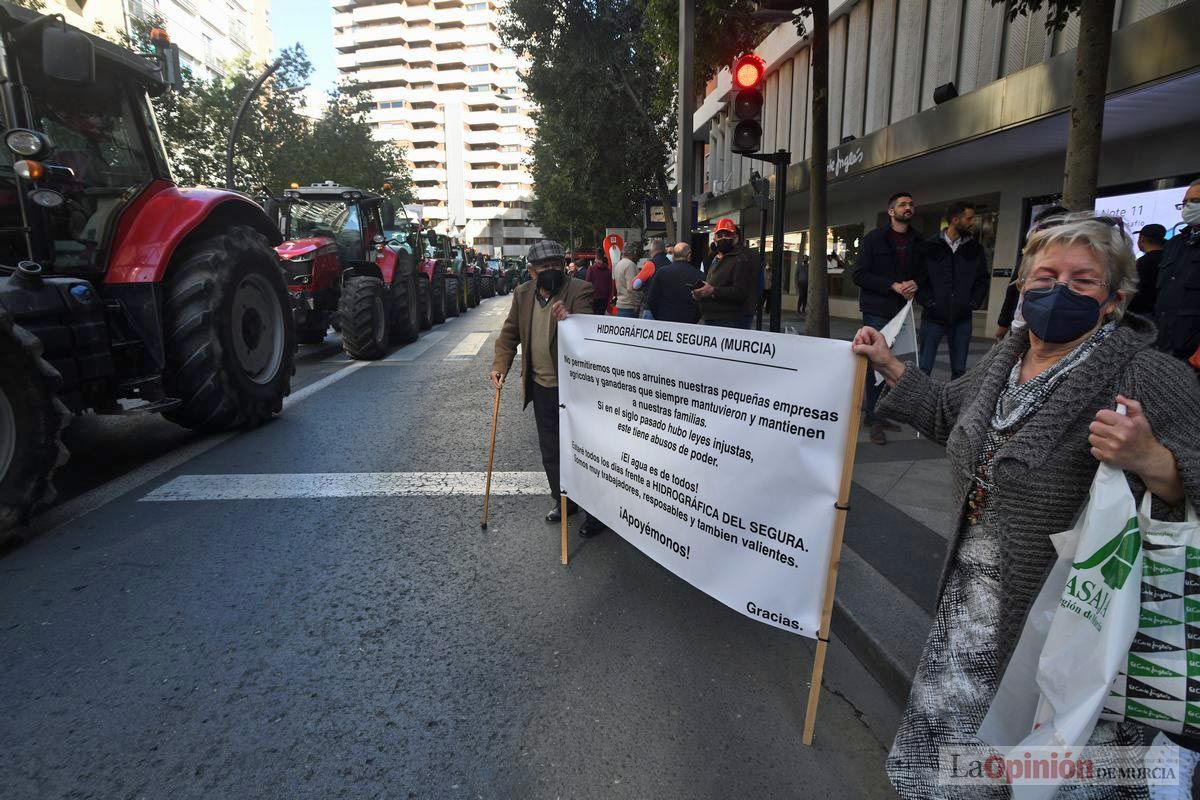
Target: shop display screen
[[1143, 208]]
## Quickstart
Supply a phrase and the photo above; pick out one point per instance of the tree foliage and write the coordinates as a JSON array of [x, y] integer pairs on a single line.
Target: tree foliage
[[276, 143]]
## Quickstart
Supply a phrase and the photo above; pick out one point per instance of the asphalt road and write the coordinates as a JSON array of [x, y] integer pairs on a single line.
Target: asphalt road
[[331, 642]]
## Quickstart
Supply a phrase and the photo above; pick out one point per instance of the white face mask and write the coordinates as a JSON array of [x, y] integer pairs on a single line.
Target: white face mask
[[1191, 214]]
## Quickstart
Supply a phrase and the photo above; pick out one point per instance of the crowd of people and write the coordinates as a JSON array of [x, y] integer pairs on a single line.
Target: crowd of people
[[1088, 329]]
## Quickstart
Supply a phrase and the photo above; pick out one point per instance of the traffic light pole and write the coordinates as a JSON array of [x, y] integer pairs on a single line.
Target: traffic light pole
[[781, 159]]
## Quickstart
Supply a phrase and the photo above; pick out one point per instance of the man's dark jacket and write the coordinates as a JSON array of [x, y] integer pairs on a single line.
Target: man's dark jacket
[[951, 283], [1147, 291], [735, 280], [1177, 309], [877, 269], [670, 295]]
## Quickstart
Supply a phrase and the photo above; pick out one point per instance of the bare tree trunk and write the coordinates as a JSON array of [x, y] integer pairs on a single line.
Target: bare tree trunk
[[660, 177], [1082, 171], [817, 318]]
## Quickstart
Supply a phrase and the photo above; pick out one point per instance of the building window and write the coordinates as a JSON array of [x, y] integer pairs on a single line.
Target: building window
[[477, 6], [508, 109], [480, 88], [479, 68]]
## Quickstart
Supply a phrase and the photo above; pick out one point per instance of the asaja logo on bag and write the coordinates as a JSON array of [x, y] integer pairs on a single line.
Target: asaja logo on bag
[[1088, 597]]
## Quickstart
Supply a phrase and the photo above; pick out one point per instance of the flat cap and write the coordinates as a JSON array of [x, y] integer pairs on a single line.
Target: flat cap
[[544, 249]]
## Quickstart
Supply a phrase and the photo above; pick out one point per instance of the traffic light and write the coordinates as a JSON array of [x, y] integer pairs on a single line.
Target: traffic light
[[748, 73]]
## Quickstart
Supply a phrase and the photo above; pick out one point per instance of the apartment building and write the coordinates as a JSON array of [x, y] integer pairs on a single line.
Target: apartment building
[[446, 88], [951, 100], [210, 33]]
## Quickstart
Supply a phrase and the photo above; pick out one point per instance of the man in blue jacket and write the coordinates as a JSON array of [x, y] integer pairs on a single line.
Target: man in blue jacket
[[952, 283], [886, 273]]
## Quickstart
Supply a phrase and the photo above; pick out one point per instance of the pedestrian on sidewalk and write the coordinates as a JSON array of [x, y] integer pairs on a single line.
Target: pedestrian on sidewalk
[[1010, 314], [888, 262], [1151, 240], [952, 283], [600, 277], [659, 258], [729, 294], [629, 299], [670, 296], [802, 285], [1024, 430], [1177, 307], [532, 323]]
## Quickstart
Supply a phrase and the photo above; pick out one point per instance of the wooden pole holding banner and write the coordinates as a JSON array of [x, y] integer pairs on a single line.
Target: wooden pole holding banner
[[563, 511], [835, 552]]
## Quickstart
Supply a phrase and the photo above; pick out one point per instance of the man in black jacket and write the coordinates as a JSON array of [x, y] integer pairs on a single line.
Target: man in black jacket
[[1150, 240], [1177, 308], [885, 273], [670, 295], [730, 291], [952, 283]]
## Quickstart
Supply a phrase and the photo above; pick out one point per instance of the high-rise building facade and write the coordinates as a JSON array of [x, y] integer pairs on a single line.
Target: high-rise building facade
[[446, 88], [211, 34]]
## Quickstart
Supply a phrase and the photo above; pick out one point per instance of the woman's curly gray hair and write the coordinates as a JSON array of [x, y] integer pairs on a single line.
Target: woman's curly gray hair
[[1108, 242]]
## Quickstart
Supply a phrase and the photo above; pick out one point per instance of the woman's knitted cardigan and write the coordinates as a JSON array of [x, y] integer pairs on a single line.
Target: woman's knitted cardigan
[[1042, 474]]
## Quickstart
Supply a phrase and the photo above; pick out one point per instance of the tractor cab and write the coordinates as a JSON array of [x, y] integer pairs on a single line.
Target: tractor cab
[[325, 218]]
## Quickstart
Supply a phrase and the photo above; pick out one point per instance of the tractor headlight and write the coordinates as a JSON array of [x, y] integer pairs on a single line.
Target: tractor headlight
[[27, 143], [300, 258]]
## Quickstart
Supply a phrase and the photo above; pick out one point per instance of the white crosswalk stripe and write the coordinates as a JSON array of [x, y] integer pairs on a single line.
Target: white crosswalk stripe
[[469, 347], [345, 484]]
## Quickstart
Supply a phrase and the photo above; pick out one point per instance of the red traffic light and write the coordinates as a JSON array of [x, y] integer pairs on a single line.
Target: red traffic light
[[748, 71]]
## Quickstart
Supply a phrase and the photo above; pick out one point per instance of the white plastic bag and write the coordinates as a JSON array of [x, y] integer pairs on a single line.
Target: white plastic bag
[[1088, 640]]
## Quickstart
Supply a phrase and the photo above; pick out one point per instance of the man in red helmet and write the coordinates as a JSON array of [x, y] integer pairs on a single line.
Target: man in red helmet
[[729, 296]]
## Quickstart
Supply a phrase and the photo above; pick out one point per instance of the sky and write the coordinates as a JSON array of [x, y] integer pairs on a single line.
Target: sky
[[309, 22]]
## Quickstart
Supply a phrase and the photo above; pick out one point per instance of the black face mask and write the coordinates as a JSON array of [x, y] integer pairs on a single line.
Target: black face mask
[[1059, 315], [551, 279], [724, 245]]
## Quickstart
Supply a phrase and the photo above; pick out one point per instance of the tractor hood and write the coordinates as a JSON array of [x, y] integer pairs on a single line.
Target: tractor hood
[[302, 247]]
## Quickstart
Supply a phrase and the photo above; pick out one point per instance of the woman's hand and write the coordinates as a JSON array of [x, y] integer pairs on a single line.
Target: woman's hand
[[870, 343], [1128, 443]]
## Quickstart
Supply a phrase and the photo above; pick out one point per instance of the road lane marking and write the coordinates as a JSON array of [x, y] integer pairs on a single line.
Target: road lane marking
[[469, 347], [91, 500], [345, 484], [418, 348]]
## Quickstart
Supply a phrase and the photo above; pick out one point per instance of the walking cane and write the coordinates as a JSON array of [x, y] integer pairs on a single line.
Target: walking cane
[[487, 492]]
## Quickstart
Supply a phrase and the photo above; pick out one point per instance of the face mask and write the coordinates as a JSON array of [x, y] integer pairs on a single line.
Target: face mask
[[551, 280], [670, 257], [1191, 214], [724, 245], [1059, 315]]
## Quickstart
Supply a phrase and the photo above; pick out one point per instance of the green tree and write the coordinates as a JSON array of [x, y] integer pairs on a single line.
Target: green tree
[[1085, 130]]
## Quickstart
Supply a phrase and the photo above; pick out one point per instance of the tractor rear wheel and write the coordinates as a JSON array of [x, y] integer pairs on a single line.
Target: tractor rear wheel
[[487, 287], [405, 314], [230, 337], [31, 423], [438, 301], [454, 298], [473, 292], [425, 302], [363, 314]]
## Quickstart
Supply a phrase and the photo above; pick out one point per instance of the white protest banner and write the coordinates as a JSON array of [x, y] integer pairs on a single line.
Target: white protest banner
[[720, 453], [901, 335]]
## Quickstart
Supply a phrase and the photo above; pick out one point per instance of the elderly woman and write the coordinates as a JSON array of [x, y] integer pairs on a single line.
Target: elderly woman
[[1024, 431]]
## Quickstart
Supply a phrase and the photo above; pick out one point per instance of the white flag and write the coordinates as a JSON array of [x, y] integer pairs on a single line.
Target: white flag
[[901, 335]]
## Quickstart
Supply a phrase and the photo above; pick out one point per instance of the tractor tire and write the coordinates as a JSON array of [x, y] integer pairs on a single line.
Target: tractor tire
[[363, 314], [31, 424], [454, 298], [425, 303], [473, 292], [438, 302], [230, 336], [487, 287], [405, 315]]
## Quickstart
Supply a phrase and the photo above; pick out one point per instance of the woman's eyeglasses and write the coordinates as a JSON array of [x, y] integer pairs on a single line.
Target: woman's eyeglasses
[[1054, 222], [1076, 285]]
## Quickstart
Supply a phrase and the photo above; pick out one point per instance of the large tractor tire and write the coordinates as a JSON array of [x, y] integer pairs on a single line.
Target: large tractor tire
[[31, 424], [363, 314], [405, 316], [425, 302], [454, 298], [439, 301], [487, 286], [230, 337], [473, 291]]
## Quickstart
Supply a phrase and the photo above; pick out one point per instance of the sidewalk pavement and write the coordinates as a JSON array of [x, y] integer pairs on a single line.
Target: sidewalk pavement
[[902, 515]]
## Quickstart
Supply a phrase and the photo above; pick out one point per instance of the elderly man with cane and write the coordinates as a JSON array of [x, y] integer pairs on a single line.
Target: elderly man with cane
[[532, 322]]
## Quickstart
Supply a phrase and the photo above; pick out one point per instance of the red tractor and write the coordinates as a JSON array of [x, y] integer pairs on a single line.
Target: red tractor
[[119, 292], [340, 270]]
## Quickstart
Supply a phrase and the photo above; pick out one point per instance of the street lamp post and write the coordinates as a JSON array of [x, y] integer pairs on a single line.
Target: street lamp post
[[237, 120]]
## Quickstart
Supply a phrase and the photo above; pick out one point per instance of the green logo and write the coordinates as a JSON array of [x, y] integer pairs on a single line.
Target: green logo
[[1116, 556]]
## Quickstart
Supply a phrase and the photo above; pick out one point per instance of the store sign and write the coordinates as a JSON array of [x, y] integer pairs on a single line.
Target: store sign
[[843, 161]]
